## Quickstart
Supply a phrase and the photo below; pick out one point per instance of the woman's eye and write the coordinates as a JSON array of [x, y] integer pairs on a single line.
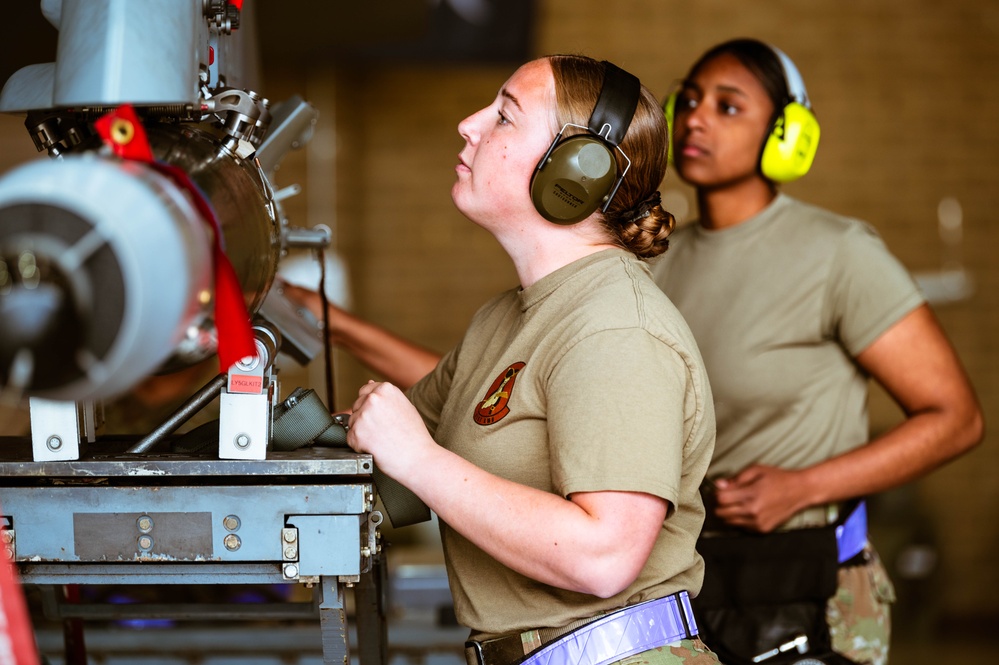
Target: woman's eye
[[686, 103], [502, 119]]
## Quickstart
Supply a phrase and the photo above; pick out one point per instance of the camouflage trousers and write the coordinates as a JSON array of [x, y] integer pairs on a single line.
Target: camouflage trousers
[[688, 652], [859, 614]]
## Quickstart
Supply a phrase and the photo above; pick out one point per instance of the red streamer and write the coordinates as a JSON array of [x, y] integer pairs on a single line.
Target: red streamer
[[17, 641], [123, 132]]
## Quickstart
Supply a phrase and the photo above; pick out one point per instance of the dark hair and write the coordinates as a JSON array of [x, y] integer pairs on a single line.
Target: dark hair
[[759, 58], [635, 219]]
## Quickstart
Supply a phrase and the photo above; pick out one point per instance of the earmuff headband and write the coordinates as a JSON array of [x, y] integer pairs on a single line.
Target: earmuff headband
[[616, 105], [612, 115], [795, 83]]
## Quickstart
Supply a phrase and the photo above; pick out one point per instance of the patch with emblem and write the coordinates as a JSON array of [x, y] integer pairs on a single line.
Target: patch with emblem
[[495, 405]]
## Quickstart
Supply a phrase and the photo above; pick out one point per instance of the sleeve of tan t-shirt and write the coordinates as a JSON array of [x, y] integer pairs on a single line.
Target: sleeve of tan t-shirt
[[869, 290], [616, 415]]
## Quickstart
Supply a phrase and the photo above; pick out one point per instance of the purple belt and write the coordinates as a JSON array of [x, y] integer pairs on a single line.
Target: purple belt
[[851, 535], [636, 628]]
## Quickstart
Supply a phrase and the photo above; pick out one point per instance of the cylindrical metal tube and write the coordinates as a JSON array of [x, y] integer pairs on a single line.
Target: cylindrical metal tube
[[187, 410], [106, 269]]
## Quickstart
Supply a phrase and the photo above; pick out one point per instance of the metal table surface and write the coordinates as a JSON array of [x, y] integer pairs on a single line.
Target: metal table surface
[[105, 461], [112, 518]]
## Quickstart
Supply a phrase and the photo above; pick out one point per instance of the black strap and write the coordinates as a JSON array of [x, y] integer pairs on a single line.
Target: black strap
[[616, 105]]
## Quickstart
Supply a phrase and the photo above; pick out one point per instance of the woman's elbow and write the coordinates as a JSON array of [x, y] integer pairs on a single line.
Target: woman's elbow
[[974, 428], [608, 587], [609, 577], [965, 429]]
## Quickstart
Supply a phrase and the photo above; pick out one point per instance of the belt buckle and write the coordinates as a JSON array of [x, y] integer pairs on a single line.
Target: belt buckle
[[495, 650], [474, 648]]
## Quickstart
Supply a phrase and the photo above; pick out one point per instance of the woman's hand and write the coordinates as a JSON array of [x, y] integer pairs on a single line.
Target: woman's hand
[[302, 297], [386, 425], [759, 498]]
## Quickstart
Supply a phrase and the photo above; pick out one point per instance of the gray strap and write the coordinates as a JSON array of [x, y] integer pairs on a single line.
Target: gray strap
[[403, 507], [304, 419]]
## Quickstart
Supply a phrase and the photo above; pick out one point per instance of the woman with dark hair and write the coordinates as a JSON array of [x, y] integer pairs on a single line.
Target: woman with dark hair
[[563, 441], [794, 308]]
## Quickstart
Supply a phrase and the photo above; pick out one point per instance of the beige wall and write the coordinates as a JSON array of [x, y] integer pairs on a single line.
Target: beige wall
[[906, 95]]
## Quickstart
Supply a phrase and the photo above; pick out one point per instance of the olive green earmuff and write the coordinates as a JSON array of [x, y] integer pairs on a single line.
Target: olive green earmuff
[[793, 141], [579, 174]]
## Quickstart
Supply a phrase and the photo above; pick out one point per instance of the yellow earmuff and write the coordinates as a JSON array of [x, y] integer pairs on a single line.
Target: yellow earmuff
[[669, 110], [790, 149]]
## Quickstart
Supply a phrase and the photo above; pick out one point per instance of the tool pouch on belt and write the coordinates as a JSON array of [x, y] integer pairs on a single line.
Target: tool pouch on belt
[[764, 596]]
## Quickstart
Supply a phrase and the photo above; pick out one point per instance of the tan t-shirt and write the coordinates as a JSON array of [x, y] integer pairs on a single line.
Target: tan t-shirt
[[587, 380], [780, 305]]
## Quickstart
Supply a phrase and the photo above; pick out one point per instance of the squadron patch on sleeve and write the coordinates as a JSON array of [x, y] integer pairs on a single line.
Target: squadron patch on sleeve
[[495, 405]]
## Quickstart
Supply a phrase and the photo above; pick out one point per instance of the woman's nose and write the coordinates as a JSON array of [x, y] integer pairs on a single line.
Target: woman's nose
[[697, 116], [468, 128], [463, 129], [693, 117]]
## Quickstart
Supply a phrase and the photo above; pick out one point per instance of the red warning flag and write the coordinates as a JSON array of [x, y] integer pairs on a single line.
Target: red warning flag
[[17, 641], [123, 132]]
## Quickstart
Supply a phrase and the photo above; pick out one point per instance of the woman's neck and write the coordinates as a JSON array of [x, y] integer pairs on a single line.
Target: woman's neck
[[723, 207], [550, 247]]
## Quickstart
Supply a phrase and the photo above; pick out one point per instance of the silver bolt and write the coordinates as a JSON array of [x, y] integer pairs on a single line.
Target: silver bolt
[[289, 535], [290, 552], [247, 364], [242, 441], [7, 536], [9, 551], [145, 523], [54, 443], [145, 542], [230, 522], [290, 570], [231, 542]]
